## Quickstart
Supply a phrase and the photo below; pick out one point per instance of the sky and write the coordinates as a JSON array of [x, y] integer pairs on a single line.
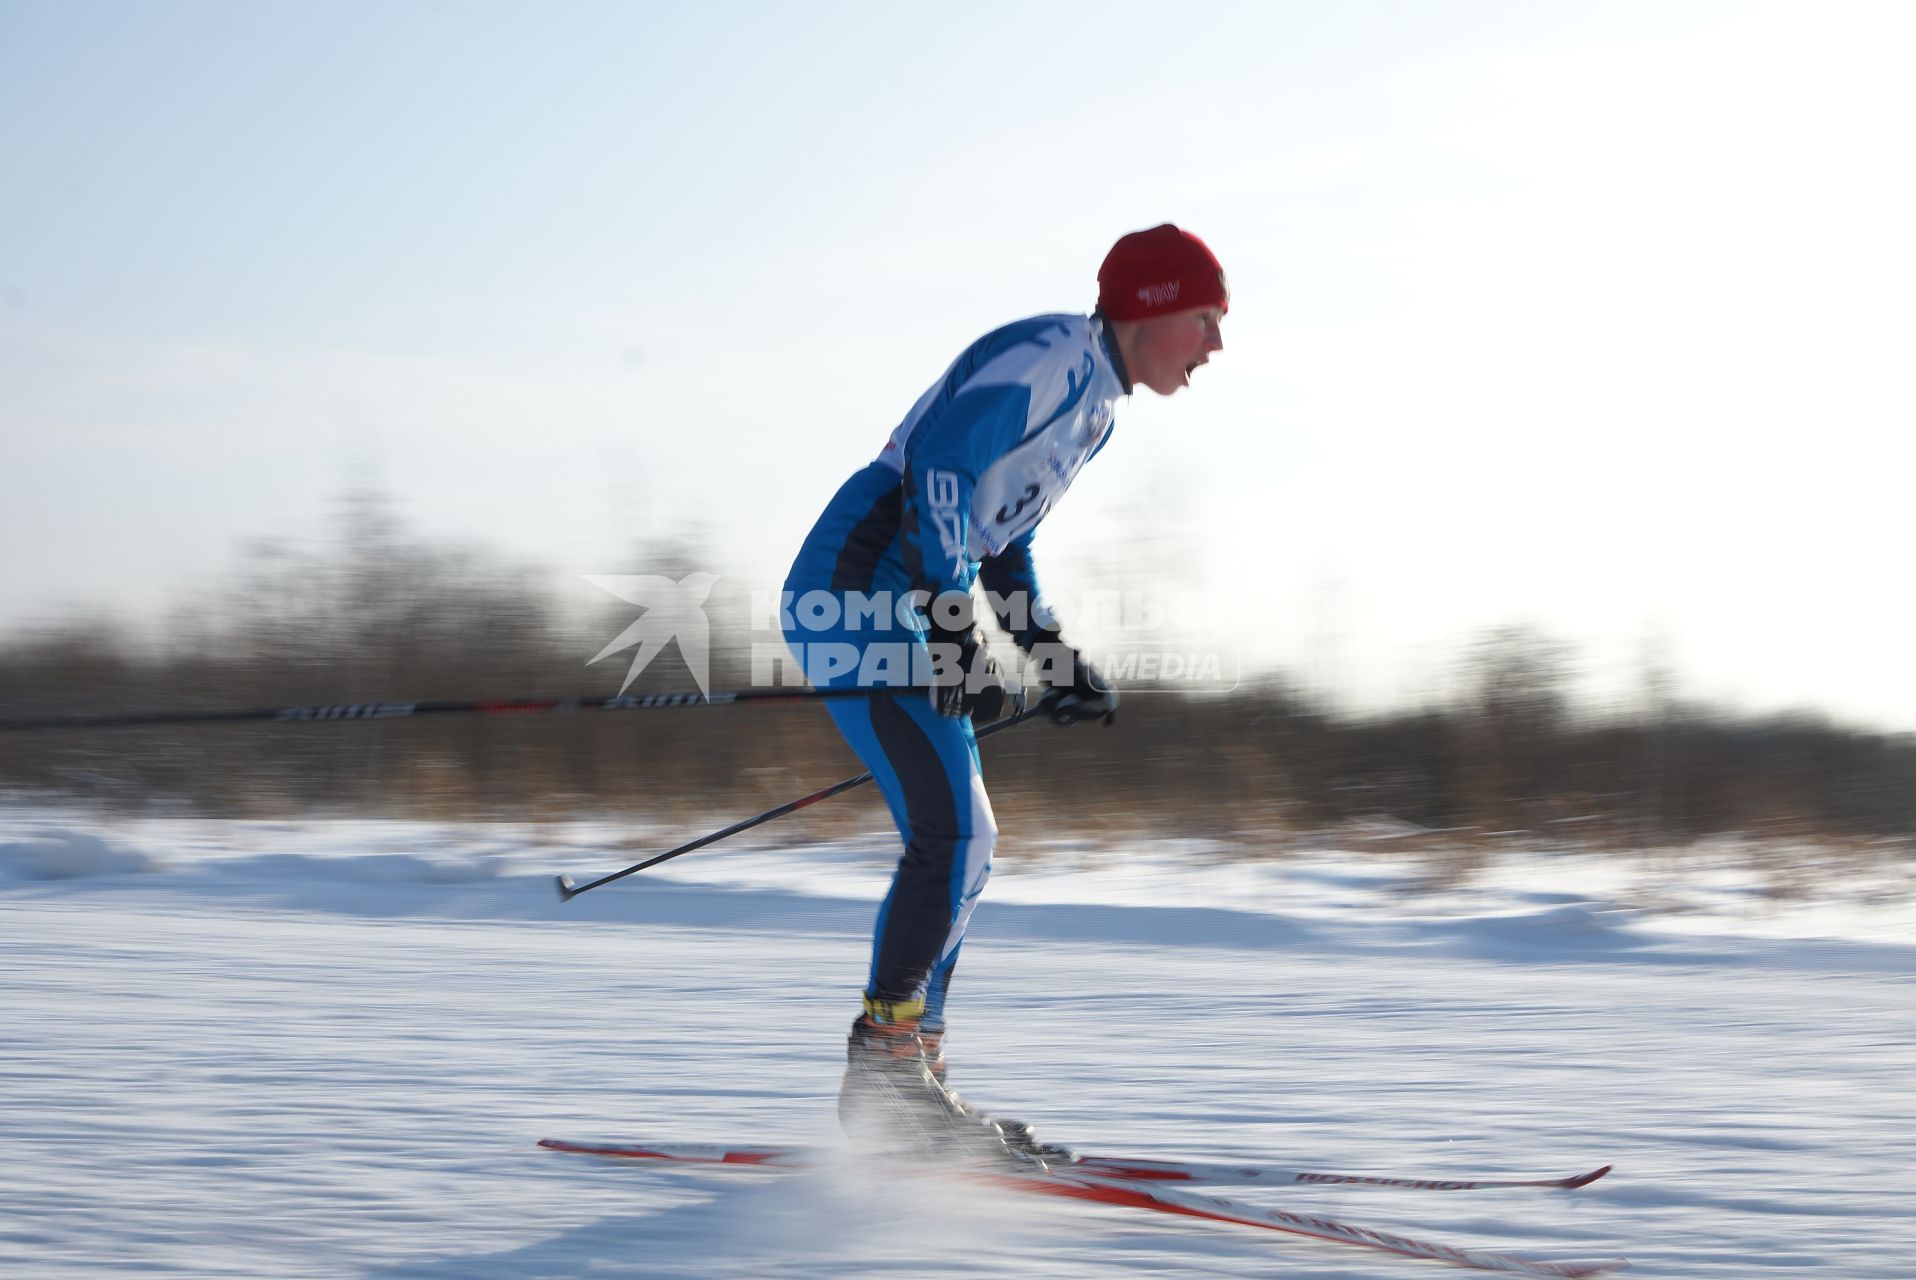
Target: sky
[[1592, 319]]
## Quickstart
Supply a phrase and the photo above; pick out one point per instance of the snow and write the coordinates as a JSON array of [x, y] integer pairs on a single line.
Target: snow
[[326, 1049]]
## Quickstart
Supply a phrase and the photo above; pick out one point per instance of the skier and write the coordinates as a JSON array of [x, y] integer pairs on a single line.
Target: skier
[[881, 596]]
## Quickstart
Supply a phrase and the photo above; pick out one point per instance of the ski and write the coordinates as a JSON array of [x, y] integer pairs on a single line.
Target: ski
[[1239, 1175], [1120, 1168], [1076, 1181], [699, 1153], [1166, 1199]]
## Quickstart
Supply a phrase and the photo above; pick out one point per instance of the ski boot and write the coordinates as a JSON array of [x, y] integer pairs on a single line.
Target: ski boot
[[1018, 1135], [892, 1103]]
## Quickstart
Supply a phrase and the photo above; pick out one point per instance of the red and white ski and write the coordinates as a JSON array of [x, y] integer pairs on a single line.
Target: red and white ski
[[1241, 1175], [1121, 1168], [700, 1153], [1165, 1199], [1149, 1191]]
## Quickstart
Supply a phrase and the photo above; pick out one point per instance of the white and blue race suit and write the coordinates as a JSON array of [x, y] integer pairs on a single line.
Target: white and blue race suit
[[953, 498]]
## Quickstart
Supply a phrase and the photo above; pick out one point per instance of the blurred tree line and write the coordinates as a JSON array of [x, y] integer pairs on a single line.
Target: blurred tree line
[[383, 616]]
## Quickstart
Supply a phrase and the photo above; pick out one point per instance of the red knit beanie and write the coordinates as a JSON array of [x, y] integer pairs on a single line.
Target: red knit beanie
[[1158, 272]]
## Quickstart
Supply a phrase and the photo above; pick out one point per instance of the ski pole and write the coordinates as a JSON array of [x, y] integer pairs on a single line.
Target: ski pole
[[329, 712], [568, 891]]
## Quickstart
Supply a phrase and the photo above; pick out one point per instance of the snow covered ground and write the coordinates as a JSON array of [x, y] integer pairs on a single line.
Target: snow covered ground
[[321, 1049]]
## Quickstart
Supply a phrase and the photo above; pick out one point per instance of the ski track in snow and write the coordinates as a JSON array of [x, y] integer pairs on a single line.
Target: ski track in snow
[[325, 1049]]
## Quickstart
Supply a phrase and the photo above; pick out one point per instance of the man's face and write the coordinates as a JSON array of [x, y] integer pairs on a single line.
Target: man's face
[[1170, 348]]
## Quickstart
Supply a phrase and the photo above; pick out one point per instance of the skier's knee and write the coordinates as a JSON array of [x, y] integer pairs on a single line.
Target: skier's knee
[[977, 850]]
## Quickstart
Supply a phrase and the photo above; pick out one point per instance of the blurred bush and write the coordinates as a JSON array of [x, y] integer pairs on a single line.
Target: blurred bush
[[383, 616]]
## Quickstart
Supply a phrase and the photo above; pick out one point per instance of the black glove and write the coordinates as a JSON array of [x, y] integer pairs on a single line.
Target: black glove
[[966, 680], [1077, 692]]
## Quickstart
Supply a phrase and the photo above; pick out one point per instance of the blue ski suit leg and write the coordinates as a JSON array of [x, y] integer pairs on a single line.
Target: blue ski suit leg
[[926, 765]]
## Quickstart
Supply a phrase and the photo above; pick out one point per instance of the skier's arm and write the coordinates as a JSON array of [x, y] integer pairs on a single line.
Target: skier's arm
[[1075, 689], [940, 474], [1010, 580]]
